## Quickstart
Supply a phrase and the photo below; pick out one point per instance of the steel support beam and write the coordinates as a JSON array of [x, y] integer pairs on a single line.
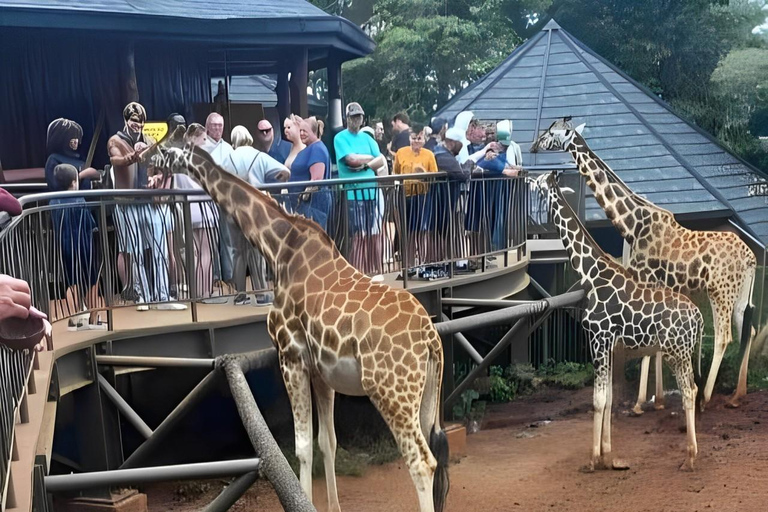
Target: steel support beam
[[125, 409], [121, 477], [232, 493], [464, 342], [155, 362], [492, 355], [506, 315], [483, 303], [143, 452]]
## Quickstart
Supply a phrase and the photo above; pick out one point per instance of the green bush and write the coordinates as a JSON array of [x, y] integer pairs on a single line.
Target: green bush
[[502, 390]]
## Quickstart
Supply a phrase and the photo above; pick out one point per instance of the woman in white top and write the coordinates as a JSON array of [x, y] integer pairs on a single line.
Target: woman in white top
[[257, 168], [292, 128]]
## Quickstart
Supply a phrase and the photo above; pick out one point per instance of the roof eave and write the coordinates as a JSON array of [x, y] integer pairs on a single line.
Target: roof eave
[[333, 31]]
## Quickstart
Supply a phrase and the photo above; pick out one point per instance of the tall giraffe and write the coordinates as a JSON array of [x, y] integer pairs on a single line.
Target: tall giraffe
[[336, 331], [621, 308], [663, 251]]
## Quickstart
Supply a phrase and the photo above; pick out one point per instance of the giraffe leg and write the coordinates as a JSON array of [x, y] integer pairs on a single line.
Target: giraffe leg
[[297, 384], [598, 403], [326, 437], [402, 416], [685, 381], [721, 319], [642, 392], [659, 401], [742, 318]]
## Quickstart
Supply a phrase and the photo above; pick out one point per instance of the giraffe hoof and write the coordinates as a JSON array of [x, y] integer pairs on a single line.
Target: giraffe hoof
[[637, 410], [732, 404], [587, 468], [687, 466], [620, 465], [658, 407]]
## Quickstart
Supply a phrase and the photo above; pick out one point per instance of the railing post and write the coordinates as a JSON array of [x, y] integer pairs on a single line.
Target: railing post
[[190, 263], [109, 285], [404, 256]]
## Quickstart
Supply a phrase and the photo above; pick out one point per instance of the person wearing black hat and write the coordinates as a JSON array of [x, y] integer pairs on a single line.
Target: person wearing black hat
[[174, 121], [438, 126], [63, 141]]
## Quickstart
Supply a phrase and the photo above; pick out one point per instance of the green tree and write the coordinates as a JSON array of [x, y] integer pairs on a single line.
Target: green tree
[[424, 56]]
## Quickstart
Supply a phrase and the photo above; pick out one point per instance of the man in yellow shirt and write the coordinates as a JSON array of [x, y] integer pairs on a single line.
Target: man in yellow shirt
[[415, 159]]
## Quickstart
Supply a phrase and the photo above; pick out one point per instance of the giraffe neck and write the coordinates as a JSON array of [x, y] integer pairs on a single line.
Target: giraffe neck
[[583, 251], [259, 216], [627, 212]]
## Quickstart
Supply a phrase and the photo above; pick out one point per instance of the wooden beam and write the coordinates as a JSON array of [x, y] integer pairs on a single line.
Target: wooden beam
[[298, 84]]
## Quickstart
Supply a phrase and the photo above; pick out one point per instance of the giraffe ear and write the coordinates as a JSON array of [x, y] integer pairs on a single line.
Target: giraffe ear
[[580, 128]]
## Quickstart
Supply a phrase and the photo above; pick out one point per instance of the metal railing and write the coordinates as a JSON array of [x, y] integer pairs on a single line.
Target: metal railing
[[15, 366], [87, 252]]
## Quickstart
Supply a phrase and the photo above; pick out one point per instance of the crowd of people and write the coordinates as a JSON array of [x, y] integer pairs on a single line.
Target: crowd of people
[[147, 234]]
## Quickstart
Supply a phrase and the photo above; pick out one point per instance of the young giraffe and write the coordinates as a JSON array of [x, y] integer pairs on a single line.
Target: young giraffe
[[336, 330], [621, 308], [663, 251]]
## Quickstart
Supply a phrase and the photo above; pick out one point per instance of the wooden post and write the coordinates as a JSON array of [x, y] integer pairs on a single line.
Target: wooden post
[[335, 118], [298, 84], [283, 97], [131, 85]]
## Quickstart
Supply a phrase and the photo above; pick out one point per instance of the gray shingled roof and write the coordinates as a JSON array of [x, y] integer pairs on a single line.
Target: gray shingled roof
[[656, 152]]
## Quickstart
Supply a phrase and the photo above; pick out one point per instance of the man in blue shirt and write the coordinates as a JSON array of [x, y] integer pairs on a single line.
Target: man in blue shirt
[[357, 157]]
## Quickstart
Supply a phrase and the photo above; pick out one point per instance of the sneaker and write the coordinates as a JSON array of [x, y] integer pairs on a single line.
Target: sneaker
[[142, 307], [171, 306], [214, 300], [264, 299], [242, 299]]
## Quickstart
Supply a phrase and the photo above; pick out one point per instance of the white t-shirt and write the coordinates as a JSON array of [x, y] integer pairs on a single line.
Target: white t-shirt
[[219, 151], [254, 166]]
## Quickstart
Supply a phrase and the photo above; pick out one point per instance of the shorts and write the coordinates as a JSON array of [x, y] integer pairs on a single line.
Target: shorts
[[364, 217]]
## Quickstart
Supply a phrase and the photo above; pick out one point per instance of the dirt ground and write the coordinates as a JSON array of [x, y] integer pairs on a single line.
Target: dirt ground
[[512, 465]]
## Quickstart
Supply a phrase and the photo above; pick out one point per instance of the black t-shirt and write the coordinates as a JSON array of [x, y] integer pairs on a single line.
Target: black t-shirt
[[401, 140]]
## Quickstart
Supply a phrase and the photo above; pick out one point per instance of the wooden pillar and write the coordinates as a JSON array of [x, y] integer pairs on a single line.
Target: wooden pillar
[[131, 90], [298, 83], [335, 117], [283, 97]]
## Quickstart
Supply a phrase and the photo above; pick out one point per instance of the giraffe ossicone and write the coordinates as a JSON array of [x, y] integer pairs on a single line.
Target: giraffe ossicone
[[663, 251], [335, 330]]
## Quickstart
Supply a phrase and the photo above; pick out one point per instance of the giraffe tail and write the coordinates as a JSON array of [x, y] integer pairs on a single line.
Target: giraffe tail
[[438, 441]]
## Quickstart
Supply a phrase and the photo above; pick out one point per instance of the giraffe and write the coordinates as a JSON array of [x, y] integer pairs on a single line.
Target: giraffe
[[335, 331], [663, 251], [621, 308]]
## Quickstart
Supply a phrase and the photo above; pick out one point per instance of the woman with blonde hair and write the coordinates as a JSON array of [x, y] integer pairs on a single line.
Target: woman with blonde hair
[[313, 163], [292, 130], [257, 168]]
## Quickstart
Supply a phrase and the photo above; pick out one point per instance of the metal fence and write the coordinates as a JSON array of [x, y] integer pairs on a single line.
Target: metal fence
[[86, 252]]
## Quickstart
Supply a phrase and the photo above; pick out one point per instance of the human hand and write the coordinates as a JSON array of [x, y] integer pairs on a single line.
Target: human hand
[[140, 146], [15, 298]]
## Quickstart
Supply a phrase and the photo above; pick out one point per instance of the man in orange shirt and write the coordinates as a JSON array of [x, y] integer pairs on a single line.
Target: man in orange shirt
[[411, 160]]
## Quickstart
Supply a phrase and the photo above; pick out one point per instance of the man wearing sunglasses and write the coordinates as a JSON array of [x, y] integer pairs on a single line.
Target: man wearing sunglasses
[[264, 140]]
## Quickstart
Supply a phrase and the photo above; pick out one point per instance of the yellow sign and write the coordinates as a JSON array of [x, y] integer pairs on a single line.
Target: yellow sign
[[155, 129]]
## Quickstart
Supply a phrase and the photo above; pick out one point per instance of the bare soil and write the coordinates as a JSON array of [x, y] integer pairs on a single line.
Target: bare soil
[[516, 462]]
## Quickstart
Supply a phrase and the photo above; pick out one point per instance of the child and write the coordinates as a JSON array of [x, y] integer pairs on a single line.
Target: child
[[74, 227]]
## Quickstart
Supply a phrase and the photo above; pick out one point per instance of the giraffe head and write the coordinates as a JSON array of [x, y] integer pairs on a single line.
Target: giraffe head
[[541, 183], [171, 154], [557, 136]]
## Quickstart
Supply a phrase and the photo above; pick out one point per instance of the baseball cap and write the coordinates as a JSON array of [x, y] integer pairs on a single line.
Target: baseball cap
[[456, 134], [504, 132], [354, 109], [437, 124]]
